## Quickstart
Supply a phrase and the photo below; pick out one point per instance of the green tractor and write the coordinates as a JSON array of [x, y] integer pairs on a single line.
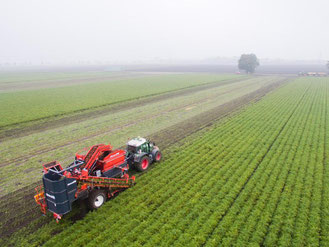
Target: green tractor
[[141, 153]]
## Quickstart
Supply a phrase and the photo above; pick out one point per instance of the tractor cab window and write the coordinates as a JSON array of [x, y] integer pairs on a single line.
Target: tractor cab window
[[145, 147]]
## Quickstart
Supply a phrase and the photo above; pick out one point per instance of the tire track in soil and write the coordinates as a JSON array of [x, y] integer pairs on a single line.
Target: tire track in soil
[[22, 199], [25, 157], [129, 124], [111, 108]]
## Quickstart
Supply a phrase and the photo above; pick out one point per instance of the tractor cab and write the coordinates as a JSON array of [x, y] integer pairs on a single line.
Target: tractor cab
[[97, 173], [141, 153], [139, 145]]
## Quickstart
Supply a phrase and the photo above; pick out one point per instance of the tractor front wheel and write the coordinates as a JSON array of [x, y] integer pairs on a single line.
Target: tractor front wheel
[[143, 164], [96, 198], [157, 156]]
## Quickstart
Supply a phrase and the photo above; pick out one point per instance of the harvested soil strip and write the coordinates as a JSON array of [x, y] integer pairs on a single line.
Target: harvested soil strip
[[22, 159], [178, 131], [58, 122], [22, 200]]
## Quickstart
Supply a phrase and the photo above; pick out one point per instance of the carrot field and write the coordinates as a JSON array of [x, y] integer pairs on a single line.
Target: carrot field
[[258, 178], [39, 104]]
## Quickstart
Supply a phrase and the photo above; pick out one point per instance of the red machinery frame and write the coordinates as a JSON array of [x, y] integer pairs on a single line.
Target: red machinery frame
[[100, 157]]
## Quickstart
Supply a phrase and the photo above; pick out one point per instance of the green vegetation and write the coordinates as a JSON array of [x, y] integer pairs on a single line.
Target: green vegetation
[[248, 62], [21, 158], [32, 105], [44, 77], [259, 178]]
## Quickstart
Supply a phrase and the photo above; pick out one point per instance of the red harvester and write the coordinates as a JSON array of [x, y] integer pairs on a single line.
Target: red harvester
[[97, 175]]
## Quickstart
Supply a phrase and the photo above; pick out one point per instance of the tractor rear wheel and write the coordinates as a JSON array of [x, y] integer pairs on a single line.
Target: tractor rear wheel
[[143, 164], [96, 198]]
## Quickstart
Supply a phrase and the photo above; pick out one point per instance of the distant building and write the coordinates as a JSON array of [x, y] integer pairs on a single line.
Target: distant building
[[312, 74]]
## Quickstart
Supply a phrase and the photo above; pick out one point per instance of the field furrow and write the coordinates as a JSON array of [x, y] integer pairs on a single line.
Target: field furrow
[[164, 137], [324, 236], [259, 177]]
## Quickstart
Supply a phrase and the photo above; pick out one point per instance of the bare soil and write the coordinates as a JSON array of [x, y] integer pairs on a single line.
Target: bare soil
[[18, 208], [18, 131], [19, 160]]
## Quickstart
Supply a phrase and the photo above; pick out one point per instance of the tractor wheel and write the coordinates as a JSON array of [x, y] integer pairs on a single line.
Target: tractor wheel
[[144, 164], [157, 156], [96, 199]]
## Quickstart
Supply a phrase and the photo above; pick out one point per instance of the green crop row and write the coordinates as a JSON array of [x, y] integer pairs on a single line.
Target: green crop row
[[44, 77], [260, 178], [25, 106], [29, 152], [268, 180]]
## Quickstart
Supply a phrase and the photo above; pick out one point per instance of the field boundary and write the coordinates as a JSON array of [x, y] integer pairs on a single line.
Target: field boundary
[[206, 119], [19, 160], [42, 124], [166, 137]]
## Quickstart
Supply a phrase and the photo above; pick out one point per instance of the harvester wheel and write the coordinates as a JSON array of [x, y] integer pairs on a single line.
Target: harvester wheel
[[143, 164], [96, 198], [157, 156]]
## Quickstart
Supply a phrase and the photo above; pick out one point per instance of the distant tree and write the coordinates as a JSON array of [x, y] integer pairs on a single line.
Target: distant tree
[[248, 62], [327, 64]]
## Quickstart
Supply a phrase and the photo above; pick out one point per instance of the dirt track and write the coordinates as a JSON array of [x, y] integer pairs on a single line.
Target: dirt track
[[39, 127], [21, 159], [21, 200]]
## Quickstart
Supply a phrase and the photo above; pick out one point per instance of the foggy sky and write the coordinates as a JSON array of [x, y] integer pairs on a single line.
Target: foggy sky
[[125, 30]]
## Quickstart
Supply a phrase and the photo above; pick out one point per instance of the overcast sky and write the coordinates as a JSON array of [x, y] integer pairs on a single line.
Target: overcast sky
[[140, 30]]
